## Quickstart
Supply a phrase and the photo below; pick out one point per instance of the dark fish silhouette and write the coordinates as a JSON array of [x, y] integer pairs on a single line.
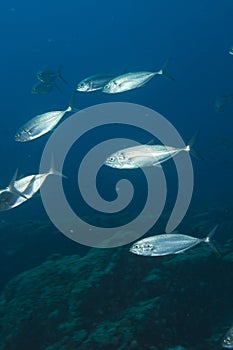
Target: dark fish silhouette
[[43, 88], [48, 76]]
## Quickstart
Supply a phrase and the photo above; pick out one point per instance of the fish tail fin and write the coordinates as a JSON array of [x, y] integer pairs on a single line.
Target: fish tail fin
[[189, 147], [60, 74], [72, 103], [53, 171], [12, 188], [209, 237], [163, 71]]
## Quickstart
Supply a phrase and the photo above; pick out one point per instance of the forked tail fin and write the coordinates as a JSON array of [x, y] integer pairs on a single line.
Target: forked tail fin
[[190, 148], [72, 107], [163, 71], [60, 75], [209, 237], [53, 171]]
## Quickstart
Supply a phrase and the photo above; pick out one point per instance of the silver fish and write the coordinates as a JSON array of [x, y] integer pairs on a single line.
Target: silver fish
[[171, 243], [146, 155], [227, 341], [231, 51], [10, 195], [132, 80], [40, 125], [94, 82], [23, 189], [9, 200]]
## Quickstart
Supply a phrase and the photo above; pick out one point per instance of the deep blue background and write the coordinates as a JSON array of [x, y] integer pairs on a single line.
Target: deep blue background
[[94, 36], [89, 37]]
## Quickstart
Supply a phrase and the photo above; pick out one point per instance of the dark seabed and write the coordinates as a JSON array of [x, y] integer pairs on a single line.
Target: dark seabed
[[57, 294]]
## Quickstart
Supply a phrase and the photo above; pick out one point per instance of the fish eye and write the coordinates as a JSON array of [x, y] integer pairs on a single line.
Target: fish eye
[[136, 246], [111, 159]]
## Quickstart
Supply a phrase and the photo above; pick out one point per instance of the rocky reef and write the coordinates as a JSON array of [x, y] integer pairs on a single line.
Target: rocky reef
[[112, 299]]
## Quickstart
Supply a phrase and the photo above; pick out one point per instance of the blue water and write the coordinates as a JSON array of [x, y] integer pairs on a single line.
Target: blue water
[[88, 37]]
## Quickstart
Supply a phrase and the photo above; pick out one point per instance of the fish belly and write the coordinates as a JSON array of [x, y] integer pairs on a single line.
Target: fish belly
[[133, 82], [174, 244]]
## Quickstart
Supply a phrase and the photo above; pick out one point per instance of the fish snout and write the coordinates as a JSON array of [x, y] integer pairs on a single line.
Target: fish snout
[[135, 249], [17, 136], [82, 87], [21, 136], [113, 162]]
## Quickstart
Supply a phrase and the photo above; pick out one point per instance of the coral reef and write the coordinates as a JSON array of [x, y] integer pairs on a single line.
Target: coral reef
[[24, 245], [111, 299]]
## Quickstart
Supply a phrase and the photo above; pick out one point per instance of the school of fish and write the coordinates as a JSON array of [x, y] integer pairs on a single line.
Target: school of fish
[[21, 190]]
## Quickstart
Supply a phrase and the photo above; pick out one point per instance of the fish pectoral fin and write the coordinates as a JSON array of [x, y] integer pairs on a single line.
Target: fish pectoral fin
[[175, 232], [151, 142]]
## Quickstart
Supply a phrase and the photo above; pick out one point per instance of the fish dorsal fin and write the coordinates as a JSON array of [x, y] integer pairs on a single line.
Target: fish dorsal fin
[[151, 142], [176, 232], [14, 178], [12, 188]]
